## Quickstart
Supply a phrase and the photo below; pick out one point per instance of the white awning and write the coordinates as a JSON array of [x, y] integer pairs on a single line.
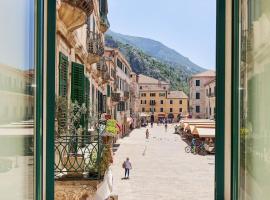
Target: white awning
[[206, 132], [144, 115]]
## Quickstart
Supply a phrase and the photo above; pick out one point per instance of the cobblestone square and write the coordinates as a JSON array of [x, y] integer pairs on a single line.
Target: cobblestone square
[[162, 170]]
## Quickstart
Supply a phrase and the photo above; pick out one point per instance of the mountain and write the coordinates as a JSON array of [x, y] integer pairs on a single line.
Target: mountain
[[157, 50], [154, 59]]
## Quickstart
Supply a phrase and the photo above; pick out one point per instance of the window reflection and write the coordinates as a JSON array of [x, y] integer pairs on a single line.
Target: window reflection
[[17, 80], [254, 176]]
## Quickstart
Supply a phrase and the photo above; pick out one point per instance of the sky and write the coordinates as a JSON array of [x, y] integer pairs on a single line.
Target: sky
[[188, 26]]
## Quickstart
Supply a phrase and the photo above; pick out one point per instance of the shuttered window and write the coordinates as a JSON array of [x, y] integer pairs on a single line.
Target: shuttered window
[[87, 102], [108, 90], [77, 83], [63, 75]]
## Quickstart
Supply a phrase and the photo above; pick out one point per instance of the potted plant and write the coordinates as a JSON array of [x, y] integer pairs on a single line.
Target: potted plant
[[68, 123]]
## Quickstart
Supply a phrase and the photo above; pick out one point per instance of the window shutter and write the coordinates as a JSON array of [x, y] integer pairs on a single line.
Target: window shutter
[[87, 102], [77, 83], [108, 90], [63, 74]]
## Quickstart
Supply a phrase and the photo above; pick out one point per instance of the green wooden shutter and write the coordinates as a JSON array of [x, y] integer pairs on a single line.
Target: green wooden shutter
[[77, 83], [87, 102], [108, 90], [63, 74]]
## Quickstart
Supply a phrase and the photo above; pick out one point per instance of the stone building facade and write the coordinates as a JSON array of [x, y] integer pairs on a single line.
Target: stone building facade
[[82, 73], [159, 102], [121, 89], [210, 103], [198, 97]]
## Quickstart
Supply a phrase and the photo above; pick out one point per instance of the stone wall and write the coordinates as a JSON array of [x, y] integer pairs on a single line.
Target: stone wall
[[75, 189]]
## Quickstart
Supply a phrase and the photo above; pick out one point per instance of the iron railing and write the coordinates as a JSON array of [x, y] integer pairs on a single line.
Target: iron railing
[[94, 43], [116, 97], [86, 5], [78, 157]]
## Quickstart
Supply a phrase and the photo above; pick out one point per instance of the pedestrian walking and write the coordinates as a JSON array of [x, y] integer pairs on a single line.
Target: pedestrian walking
[[152, 124], [147, 134], [127, 166]]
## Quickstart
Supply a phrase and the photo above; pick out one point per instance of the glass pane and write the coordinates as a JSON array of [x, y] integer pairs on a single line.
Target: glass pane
[[254, 133], [17, 81]]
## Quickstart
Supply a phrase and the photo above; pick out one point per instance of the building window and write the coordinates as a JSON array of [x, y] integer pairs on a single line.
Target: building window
[[152, 102], [197, 109], [180, 110], [140, 87], [119, 64], [171, 110], [143, 109], [198, 95], [210, 111], [161, 109], [198, 82], [152, 94], [141, 101], [162, 94], [143, 94], [161, 101], [171, 101], [180, 102]]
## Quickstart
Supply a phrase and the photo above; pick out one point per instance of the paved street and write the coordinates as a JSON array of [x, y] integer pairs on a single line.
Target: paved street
[[161, 168]]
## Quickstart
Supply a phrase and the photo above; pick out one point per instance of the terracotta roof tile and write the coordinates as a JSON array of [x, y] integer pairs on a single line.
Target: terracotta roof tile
[[176, 95], [208, 73], [149, 80]]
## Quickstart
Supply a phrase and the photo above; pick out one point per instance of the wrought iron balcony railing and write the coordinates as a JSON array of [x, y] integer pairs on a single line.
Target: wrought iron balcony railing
[[78, 157], [116, 97], [95, 44], [85, 5], [212, 94], [113, 74]]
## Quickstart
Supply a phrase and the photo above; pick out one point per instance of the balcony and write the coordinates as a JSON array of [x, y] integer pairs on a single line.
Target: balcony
[[95, 46], [78, 157], [212, 94], [113, 74], [126, 95], [80, 164], [152, 103], [104, 22], [75, 12], [103, 70], [116, 97]]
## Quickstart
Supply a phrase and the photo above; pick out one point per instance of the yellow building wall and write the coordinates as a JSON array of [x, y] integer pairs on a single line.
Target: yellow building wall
[[166, 104]]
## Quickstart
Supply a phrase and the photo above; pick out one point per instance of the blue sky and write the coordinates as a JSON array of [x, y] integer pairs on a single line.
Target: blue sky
[[188, 26]]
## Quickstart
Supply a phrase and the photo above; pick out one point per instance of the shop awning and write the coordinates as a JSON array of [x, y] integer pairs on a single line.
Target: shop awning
[[161, 115], [206, 132], [144, 115]]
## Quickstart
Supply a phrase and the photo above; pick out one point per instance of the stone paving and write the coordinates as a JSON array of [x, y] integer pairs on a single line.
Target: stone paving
[[161, 168]]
